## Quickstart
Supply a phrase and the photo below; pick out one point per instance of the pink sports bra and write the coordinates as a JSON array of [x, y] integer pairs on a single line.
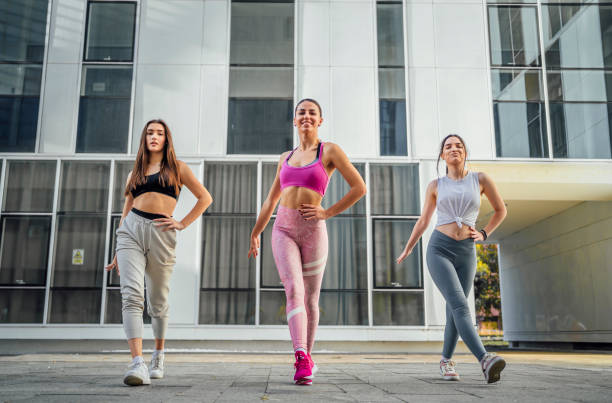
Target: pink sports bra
[[312, 176]]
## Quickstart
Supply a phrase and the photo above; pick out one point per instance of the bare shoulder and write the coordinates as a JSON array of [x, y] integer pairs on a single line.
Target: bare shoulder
[[284, 156], [483, 177], [432, 187], [328, 147]]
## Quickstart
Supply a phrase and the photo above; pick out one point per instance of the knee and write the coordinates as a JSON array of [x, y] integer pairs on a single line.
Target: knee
[[459, 304], [293, 292], [131, 301], [312, 303], [158, 310]]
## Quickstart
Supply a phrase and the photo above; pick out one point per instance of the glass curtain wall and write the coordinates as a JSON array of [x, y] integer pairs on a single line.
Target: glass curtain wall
[[260, 107], [23, 27], [571, 82], [106, 80], [391, 78]]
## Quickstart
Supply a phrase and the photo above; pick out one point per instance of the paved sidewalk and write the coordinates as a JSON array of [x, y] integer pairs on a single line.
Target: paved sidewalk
[[554, 377]]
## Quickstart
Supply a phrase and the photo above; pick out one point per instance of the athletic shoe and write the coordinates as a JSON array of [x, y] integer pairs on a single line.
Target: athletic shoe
[[447, 370], [492, 366], [313, 367], [137, 374], [156, 370], [303, 373]]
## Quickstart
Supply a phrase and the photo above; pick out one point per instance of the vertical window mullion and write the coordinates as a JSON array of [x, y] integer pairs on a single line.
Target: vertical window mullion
[[52, 242], [543, 67], [43, 77], [108, 254], [370, 246]]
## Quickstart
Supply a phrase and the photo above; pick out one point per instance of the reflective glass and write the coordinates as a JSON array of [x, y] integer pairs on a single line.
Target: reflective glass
[[390, 34], [390, 237], [338, 187], [577, 35], [233, 186], [24, 249], [393, 130], [581, 130], [112, 278], [20, 79], [84, 186], [110, 31], [227, 307], [122, 169], [520, 129], [75, 305], [513, 34], [104, 109], [22, 305], [29, 186], [580, 85], [517, 85], [261, 82], [398, 308], [23, 25], [394, 189], [262, 33], [391, 83]]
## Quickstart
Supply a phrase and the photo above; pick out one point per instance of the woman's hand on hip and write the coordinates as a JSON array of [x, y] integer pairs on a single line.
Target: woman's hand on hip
[[113, 265], [312, 212], [476, 235], [254, 247], [168, 224], [404, 255]]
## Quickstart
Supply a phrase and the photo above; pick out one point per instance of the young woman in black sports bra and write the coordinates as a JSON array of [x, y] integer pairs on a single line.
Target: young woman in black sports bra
[[146, 239]]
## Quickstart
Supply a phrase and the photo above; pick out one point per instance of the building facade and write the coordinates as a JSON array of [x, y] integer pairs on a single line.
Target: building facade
[[525, 83]]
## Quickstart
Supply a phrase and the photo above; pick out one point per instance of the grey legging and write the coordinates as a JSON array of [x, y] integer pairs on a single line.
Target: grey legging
[[452, 265]]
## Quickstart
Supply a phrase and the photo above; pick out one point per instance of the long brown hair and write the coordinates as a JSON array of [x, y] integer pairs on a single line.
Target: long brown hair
[[169, 173], [442, 150]]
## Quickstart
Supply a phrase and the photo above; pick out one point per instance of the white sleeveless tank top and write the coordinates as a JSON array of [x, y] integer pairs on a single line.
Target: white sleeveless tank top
[[458, 201]]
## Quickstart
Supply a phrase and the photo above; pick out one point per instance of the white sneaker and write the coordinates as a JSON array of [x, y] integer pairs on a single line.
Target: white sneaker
[[137, 374], [492, 365], [447, 370], [156, 370]]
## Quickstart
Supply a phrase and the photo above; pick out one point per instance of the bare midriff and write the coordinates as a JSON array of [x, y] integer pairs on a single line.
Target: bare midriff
[[294, 196], [452, 230], [156, 203]]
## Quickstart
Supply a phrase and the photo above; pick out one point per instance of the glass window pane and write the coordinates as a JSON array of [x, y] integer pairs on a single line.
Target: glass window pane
[[224, 253], [262, 33], [75, 306], [22, 306], [390, 34], [20, 79], [390, 237], [227, 307], [346, 260], [24, 250], [517, 85], [23, 26], [104, 109], [268, 173], [112, 279], [261, 82], [272, 308], [338, 187], [581, 130], [520, 129], [84, 186], [394, 189], [513, 33], [122, 169], [269, 272], [580, 85], [29, 186], [113, 313], [110, 31], [83, 235], [391, 84], [568, 27], [393, 131], [233, 186], [398, 309], [260, 126]]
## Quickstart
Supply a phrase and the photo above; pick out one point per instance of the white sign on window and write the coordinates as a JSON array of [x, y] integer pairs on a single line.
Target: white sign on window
[[77, 256]]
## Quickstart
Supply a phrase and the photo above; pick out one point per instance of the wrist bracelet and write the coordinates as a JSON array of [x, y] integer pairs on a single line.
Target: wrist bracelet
[[484, 234]]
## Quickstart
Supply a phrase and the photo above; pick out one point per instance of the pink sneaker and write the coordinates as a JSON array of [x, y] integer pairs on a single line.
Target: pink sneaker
[[303, 372], [313, 366]]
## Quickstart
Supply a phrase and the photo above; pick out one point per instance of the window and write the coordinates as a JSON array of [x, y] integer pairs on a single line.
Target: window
[[260, 107], [106, 82], [23, 27]]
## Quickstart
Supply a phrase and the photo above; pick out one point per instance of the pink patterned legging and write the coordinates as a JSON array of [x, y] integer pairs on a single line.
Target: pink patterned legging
[[300, 253]]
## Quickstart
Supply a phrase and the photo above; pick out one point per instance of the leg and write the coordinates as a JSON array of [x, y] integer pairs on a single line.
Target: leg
[[289, 265], [446, 279], [450, 335]]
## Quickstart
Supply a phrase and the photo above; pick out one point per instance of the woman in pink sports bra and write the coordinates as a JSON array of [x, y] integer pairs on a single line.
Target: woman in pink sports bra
[[299, 236]]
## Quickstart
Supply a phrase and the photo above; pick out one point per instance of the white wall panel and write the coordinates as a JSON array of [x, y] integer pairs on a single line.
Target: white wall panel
[[313, 40], [423, 112], [464, 108], [66, 31], [314, 82], [213, 122], [170, 32], [353, 105], [420, 34], [353, 38], [173, 94], [60, 105], [215, 44]]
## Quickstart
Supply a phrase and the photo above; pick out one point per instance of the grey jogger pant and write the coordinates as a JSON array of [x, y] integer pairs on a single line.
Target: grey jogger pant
[[144, 253], [452, 265]]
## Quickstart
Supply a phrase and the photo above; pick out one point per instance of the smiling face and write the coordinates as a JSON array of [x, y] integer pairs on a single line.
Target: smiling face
[[453, 151], [307, 116], [156, 137]]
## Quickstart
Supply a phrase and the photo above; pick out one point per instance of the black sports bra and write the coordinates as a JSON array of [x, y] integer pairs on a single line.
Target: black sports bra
[[153, 184]]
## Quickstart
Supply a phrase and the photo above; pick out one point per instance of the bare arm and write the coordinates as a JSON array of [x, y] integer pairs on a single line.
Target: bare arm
[[339, 161], [490, 190], [267, 209], [423, 221]]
